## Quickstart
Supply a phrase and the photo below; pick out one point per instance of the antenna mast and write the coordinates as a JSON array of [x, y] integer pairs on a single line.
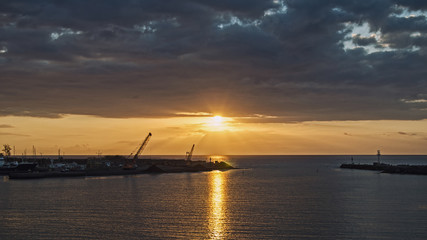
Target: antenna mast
[[378, 156]]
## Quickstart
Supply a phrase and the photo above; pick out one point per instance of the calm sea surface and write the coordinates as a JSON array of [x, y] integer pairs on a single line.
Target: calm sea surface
[[271, 197]]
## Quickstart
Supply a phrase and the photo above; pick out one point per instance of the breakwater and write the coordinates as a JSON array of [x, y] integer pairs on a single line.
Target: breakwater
[[388, 168]]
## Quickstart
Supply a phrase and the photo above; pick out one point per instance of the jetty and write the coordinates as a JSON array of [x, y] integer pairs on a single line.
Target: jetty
[[387, 168]]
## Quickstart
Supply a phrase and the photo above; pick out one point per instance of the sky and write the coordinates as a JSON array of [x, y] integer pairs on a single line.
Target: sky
[[287, 76]]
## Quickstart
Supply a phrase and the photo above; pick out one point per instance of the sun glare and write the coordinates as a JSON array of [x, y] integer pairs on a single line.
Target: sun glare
[[217, 123], [217, 120]]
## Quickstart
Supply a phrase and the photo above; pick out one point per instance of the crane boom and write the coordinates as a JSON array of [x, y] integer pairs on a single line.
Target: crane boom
[[190, 154], [141, 148], [131, 163]]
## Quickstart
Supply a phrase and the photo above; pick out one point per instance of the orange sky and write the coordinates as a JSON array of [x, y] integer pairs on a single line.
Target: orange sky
[[344, 77], [80, 134]]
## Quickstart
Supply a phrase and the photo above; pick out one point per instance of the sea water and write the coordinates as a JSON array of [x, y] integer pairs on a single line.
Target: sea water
[[269, 197]]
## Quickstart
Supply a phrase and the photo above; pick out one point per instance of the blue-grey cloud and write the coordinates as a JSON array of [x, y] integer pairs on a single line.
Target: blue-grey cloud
[[364, 41], [296, 60]]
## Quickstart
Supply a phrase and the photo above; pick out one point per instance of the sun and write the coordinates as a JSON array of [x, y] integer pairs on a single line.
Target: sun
[[217, 123], [217, 120]]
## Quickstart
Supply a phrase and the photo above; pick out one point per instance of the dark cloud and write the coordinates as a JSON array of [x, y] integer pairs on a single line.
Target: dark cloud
[[407, 134], [285, 59], [364, 41], [413, 4], [405, 24]]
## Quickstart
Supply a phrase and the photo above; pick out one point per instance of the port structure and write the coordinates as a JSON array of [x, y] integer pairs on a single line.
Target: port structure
[[131, 163], [189, 154]]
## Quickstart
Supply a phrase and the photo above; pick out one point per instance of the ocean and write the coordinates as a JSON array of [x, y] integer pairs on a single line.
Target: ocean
[[268, 197]]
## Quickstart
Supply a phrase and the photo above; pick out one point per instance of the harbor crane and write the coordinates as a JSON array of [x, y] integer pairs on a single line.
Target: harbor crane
[[189, 154], [131, 163]]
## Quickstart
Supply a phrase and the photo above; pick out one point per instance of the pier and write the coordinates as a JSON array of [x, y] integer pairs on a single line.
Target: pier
[[388, 168]]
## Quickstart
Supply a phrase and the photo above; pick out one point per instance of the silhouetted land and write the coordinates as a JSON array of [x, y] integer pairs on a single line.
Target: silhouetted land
[[388, 168], [149, 167]]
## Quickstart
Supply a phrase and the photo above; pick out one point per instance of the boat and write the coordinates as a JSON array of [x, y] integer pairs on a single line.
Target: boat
[[17, 167]]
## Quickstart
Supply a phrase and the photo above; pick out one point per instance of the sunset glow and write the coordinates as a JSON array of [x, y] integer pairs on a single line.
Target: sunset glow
[[218, 123], [217, 119], [226, 75], [217, 216], [220, 119], [79, 134]]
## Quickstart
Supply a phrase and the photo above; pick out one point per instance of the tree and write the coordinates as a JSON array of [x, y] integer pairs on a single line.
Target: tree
[[6, 149]]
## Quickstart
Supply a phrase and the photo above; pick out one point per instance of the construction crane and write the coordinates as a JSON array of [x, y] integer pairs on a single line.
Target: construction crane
[[189, 154], [131, 163]]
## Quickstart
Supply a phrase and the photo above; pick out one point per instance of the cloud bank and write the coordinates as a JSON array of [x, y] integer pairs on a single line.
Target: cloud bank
[[295, 60]]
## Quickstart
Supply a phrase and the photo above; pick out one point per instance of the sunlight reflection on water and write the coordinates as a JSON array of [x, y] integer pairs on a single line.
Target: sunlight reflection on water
[[217, 215]]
